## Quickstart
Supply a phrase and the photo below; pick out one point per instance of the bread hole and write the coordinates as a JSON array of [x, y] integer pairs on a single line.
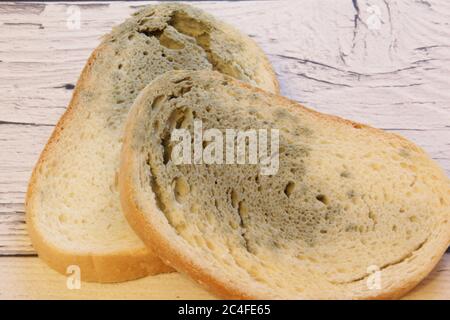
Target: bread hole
[[181, 189], [186, 120], [375, 166], [145, 53], [322, 198], [234, 199], [210, 218], [243, 210], [177, 119], [156, 125], [185, 89], [62, 218], [394, 228], [408, 234], [211, 245], [119, 66], [413, 219], [195, 208], [356, 125], [233, 224], [341, 270], [173, 95], [157, 102], [289, 188], [345, 174], [372, 216], [198, 240], [169, 42], [156, 33], [256, 275], [312, 259], [300, 257]]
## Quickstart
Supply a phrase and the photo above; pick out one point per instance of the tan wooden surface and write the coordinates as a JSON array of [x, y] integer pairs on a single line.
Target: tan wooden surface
[[30, 278], [327, 55]]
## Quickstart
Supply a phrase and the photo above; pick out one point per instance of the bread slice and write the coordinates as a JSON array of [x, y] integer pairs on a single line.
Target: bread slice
[[352, 212], [73, 208]]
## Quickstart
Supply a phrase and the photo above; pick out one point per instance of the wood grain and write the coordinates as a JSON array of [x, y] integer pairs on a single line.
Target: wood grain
[[325, 53], [30, 278]]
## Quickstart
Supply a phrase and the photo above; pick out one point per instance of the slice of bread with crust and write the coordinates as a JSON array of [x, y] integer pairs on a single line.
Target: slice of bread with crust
[[73, 208], [352, 213]]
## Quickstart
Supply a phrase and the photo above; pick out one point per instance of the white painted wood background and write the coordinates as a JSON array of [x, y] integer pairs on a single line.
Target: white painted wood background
[[328, 54]]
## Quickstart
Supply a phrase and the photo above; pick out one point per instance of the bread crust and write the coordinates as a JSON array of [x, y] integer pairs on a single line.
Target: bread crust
[[152, 235]]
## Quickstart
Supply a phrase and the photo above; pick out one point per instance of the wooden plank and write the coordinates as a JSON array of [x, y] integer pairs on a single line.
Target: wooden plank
[[30, 278]]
